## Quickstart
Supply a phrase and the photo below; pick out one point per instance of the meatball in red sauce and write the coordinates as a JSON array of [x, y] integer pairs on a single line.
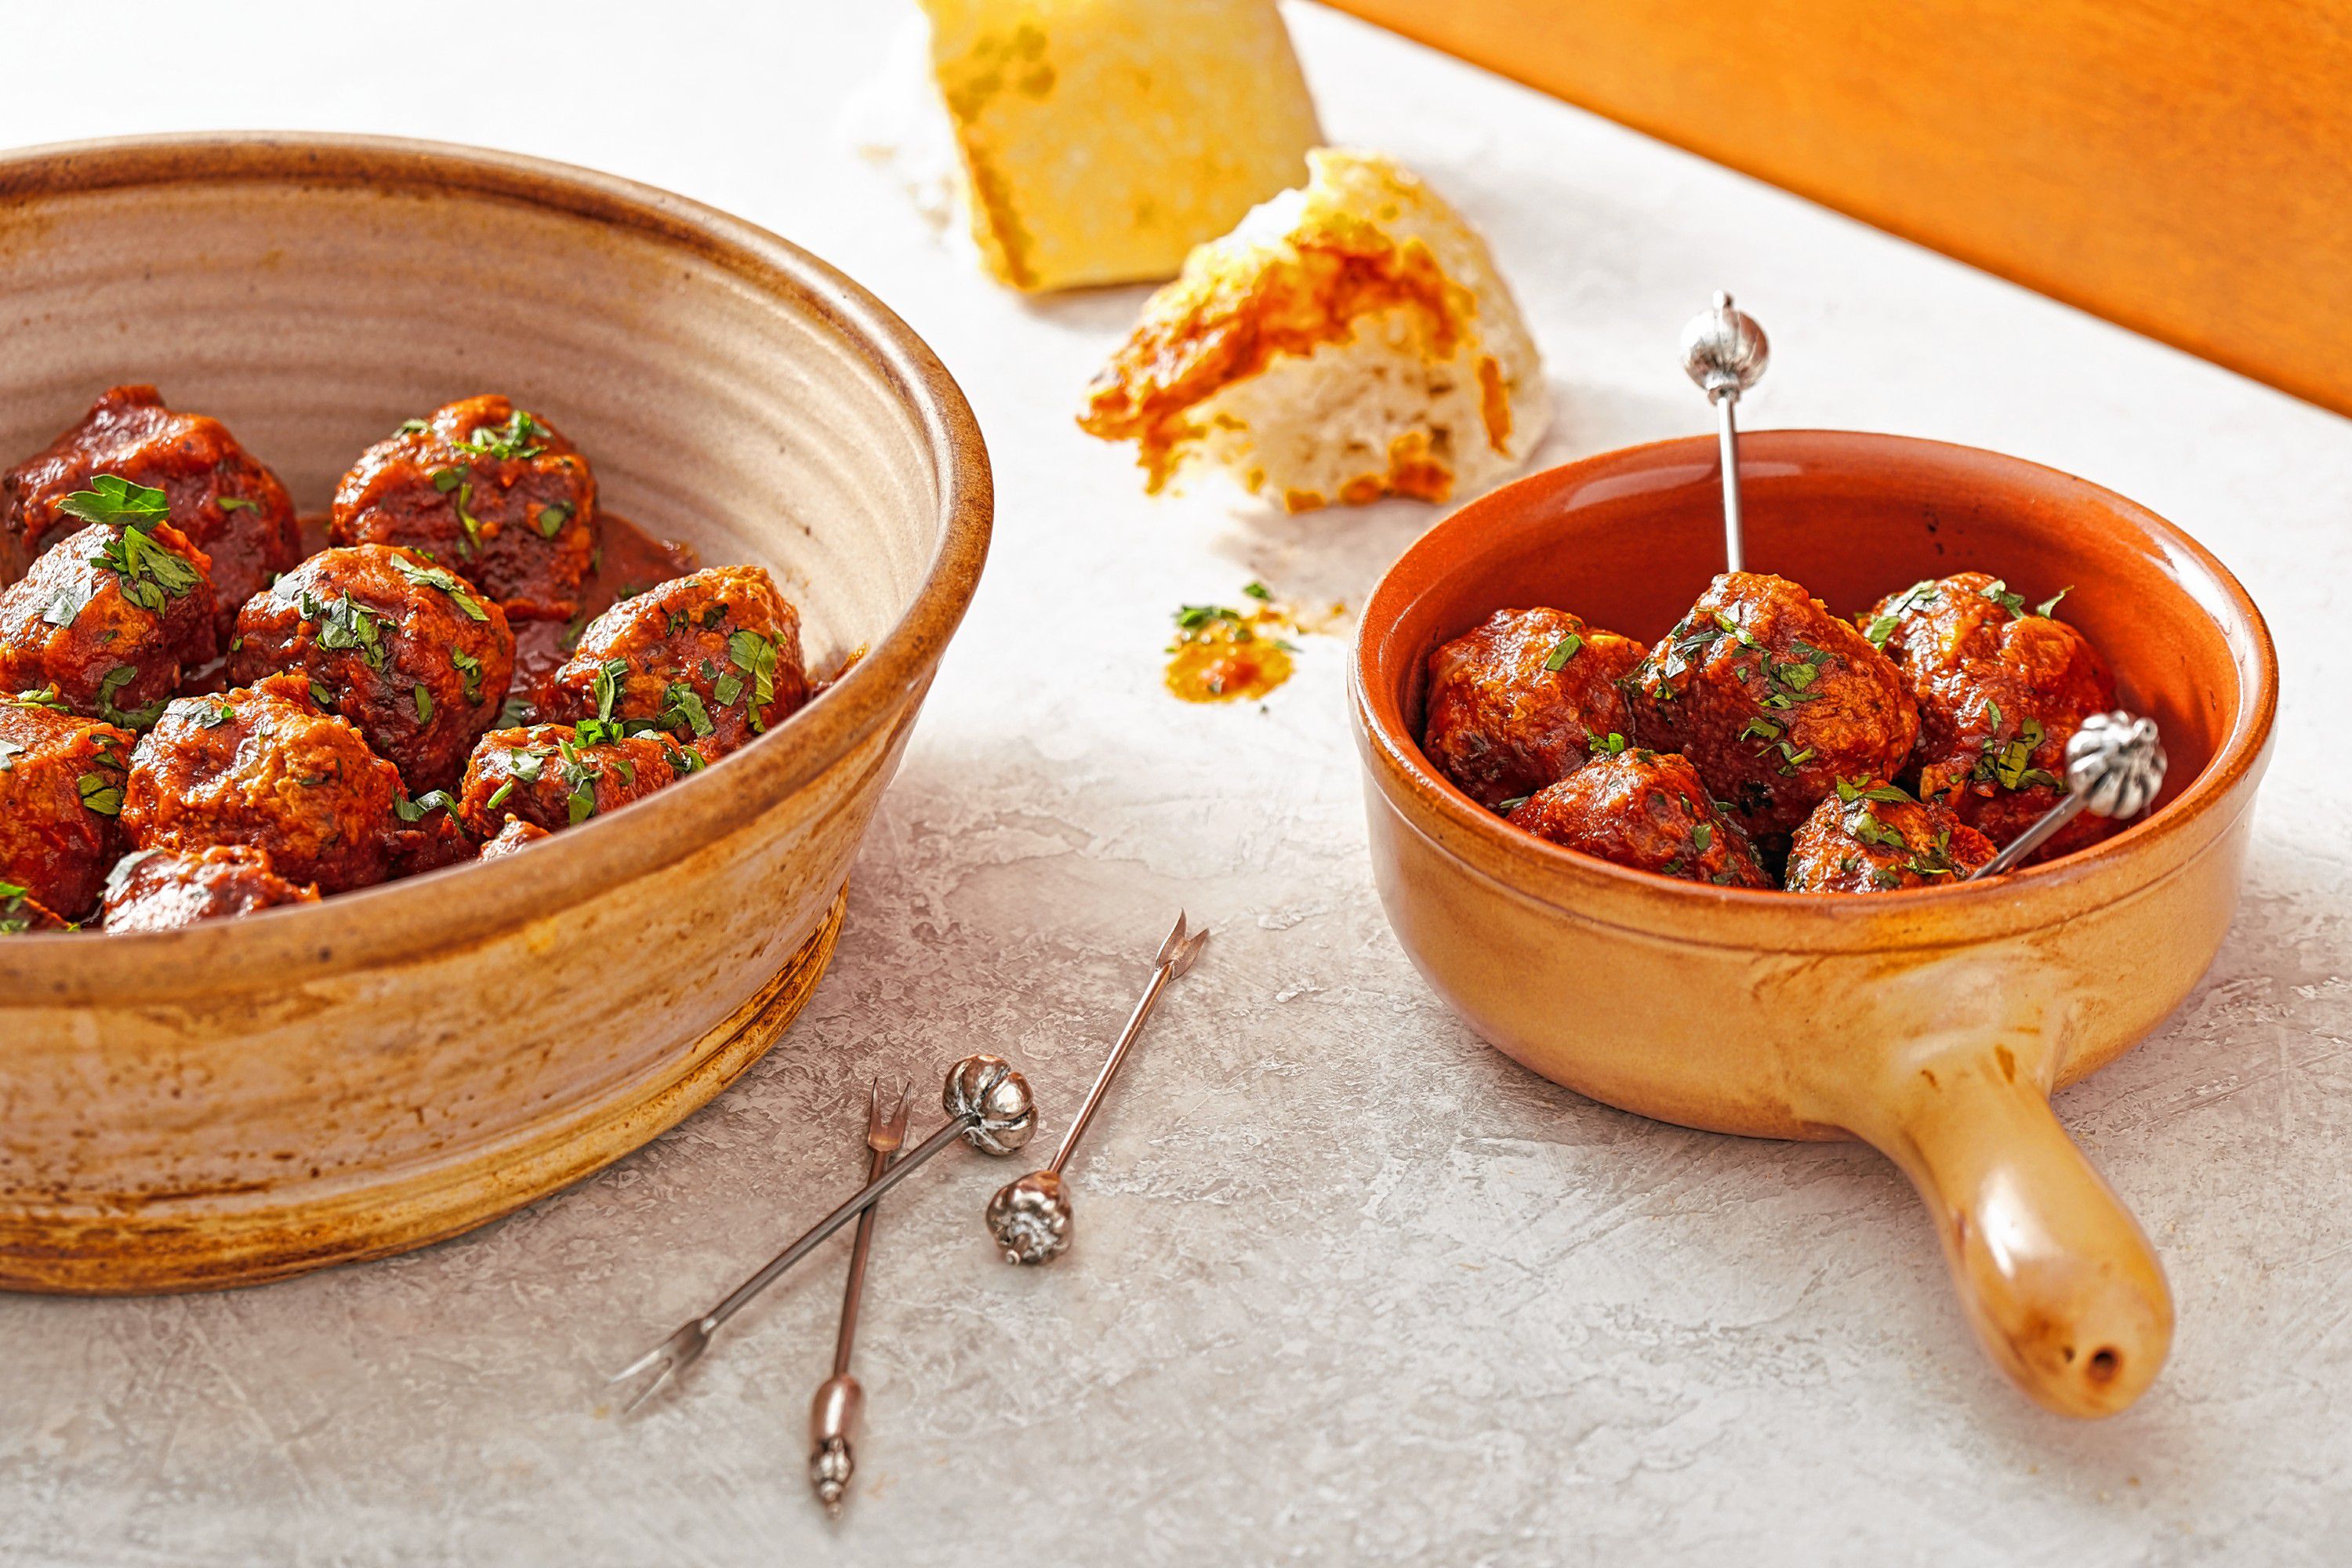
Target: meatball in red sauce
[[113, 617], [412, 654], [516, 834], [266, 766], [1773, 699], [490, 491], [1653, 813], [61, 780], [157, 890], [712, 657], [1521, 701], [2000, 692], [552, 777], [1870, 836], [224, 501]]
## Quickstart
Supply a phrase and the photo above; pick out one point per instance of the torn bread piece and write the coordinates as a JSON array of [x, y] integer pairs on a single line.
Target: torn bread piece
[[1348, 341], [1101, 139]]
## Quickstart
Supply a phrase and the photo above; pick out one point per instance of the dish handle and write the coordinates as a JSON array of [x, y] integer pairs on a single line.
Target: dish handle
[[2060, 1284]]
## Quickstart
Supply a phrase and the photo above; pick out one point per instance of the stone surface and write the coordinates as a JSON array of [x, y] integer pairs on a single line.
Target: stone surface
[[1347, 1286]]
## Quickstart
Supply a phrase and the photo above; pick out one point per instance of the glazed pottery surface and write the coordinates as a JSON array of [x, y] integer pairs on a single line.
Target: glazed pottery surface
[[251, 1098], [1935, 1023]]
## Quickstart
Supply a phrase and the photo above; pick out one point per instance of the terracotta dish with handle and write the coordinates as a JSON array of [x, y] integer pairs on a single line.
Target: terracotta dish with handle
[[248, 1098], [1934, 1024]]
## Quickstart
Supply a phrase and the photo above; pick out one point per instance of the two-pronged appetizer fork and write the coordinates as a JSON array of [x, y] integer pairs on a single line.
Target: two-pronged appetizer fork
[[833, 1416]]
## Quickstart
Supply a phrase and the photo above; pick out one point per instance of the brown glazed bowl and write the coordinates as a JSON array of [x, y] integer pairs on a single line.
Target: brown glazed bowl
[[1933, 1024], [253, 1098]]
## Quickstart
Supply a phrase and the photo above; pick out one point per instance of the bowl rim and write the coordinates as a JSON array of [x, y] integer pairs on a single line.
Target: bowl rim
[[416, 915], [1554, 875]]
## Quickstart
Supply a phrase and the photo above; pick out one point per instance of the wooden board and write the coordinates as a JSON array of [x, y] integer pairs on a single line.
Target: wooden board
[[2182, 168]]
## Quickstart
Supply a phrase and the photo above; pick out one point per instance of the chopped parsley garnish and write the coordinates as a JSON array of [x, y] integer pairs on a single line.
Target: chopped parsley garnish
[[117, 502], [1607, 745], [236, 503], [515, 711], [47, 697], [14, 922], [431, 801], [2050, 604], [471, 668], [101, 793], [499, 795], [526, 765], [343, 625], [151, 576], [2011, 762], [507, 441], [215, 714], [1562, 651], [581, 775], [681, 760], [755, 656], [447, 480], [1997, 591], [1505, 807], [571, 630], [1258, 591], [1917, 596], [552, 519], [322, 696], [110, 685], [1702, 836], [607, 684], [1852, 791], [441, 578], [413, 427], [467, 520], [424, 702], [682, 705], [66, 604], [1193, 618]]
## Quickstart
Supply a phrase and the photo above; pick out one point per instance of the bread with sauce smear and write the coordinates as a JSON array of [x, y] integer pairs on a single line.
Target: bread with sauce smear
[[1101, 139], [1349, 341]]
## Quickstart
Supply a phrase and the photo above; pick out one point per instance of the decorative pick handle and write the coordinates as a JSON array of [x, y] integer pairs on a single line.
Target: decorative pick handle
[[833, 1413], [1725, 351], [1031, 1219], [2114, 766]]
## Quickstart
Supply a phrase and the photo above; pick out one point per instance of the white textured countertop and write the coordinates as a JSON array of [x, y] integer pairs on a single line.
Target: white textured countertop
[[1350, 1287]]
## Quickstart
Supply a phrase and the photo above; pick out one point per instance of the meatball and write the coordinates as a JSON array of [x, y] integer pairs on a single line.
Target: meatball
[[410, 654], [21, 912], [516, 834], [2001, 692], [266, 766], [429, 836], [112, 617], [61, 779], [156, 890], [1647, 811], [1519, 702], [487, 489], [1773, 699], [551, 777], [218, 496], [714, 658], [1871, 837]]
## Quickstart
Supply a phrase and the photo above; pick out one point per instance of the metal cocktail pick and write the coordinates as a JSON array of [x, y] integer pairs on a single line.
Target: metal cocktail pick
[[2114, 766], [988, 1106], [1031, 1219], [1725, 352], [832, 1414]]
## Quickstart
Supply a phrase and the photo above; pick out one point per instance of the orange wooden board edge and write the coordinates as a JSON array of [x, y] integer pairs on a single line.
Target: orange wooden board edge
[[2177, 170]]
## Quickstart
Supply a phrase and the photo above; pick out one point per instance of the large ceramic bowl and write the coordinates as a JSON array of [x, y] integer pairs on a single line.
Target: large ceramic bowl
[[248, 1099], [1934, 1024]]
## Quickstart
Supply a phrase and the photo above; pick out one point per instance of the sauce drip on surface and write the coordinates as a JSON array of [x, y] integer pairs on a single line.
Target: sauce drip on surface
[[1224, 655]]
